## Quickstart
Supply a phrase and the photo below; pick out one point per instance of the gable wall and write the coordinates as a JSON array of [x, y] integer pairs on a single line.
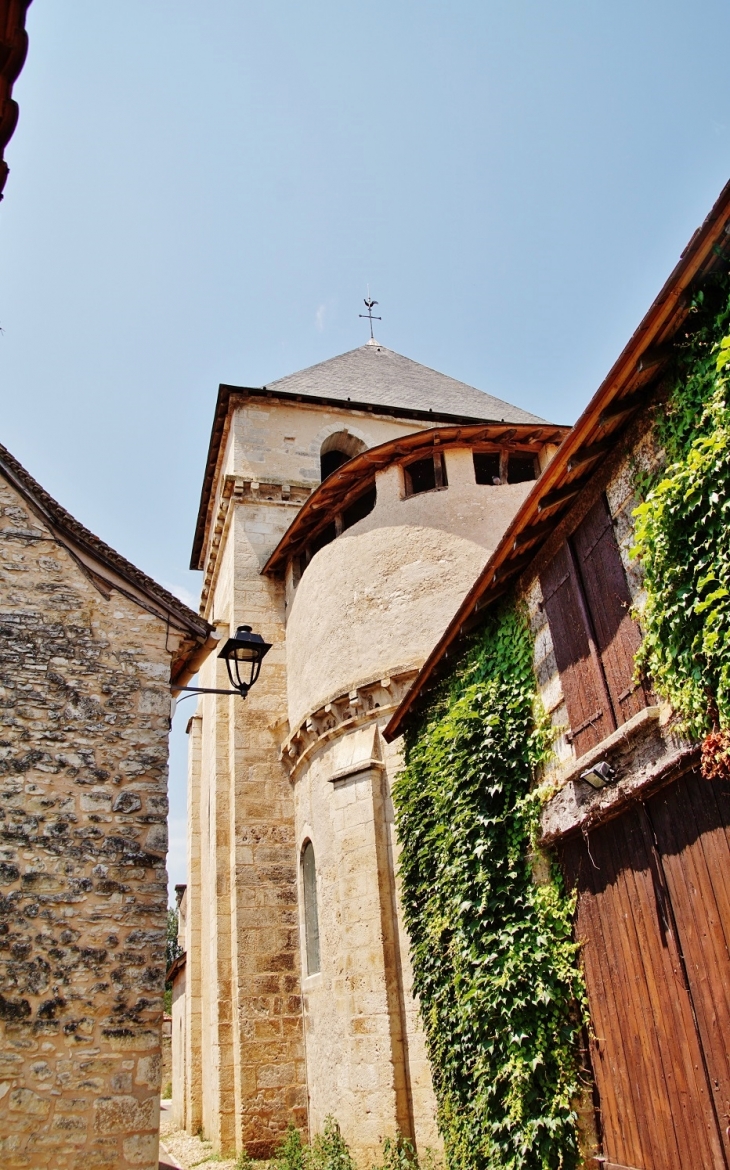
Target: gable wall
[[84, 720]]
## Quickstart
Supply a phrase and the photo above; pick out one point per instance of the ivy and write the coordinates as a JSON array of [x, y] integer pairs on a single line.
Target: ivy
[[495, 964], [682, 532], [693, 371]]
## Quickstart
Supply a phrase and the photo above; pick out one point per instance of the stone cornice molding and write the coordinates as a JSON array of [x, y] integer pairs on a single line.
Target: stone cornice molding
[[237, 489], [347, 711]]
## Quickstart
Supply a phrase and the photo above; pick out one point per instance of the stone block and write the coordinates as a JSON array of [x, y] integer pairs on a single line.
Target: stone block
[[124, 1115], [141, 1149]]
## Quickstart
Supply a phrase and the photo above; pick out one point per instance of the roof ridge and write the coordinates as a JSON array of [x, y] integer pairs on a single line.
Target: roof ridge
[[58, 516]]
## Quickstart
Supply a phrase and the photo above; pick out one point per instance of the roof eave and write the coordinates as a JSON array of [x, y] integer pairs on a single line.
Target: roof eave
[[227, 392], [699, 258], [104, 564]]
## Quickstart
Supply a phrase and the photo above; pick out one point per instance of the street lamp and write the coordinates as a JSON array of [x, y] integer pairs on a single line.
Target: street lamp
[[243, 654]]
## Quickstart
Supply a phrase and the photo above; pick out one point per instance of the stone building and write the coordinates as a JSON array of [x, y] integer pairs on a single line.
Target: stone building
[[346, 510], [637, 815], [89, 647]]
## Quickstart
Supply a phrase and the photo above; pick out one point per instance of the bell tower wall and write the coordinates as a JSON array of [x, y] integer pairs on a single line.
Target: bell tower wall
[[245, 1069]]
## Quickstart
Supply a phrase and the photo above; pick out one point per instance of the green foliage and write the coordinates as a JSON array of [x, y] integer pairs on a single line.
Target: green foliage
[[328, 1151], [172, 948], [291, 1154], [494, 961], [400, 1154], [694, 367], [243, 1161], [683, 542]]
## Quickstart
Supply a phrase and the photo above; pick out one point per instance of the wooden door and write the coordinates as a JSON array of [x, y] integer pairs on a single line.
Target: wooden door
[[609, 603], [584, 687], [691, 820], [653, 912]]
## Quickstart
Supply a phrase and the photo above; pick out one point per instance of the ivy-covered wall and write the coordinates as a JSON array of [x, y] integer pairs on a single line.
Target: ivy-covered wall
[[495, 966], [683, 533], [496, 969]]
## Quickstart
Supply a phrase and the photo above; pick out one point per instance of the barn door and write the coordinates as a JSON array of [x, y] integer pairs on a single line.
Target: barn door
[[691, 820], [653, 912]]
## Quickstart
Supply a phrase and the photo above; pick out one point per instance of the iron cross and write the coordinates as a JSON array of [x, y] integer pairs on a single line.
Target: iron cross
[[370, 305]]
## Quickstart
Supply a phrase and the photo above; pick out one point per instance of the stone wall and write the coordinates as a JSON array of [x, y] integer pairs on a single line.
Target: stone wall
[[365, 1050], [84, 721]]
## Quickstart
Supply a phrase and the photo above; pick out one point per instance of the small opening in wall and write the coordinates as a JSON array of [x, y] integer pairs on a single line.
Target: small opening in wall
[[337, 449], [325, 536], [425, 475], [486, 466], [330, 461], [311, 917], [358, 510], [521, 468]]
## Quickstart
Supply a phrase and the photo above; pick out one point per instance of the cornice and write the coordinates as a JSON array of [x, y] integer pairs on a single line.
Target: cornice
[[236, 489], [347, 711]]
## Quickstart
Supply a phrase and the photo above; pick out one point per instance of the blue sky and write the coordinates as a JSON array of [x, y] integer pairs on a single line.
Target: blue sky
[[202, 193]]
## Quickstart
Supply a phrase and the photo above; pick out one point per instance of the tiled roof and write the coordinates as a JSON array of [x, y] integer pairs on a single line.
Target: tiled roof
[[375, 376], [13, 48], [635, 382], [89, 550]]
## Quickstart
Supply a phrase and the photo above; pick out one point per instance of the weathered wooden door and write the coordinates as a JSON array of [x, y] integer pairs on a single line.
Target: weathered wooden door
[[653, 913]]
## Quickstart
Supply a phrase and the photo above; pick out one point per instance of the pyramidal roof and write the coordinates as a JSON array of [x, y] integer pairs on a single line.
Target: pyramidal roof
[[375, 376]]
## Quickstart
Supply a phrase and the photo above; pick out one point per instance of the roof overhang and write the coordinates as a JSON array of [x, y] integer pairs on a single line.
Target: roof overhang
[[13, 50], [633, 382], [341, 488], [109, 570], [231, 397]]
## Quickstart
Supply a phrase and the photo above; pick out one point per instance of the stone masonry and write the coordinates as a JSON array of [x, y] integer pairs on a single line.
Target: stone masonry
[[85, 668]]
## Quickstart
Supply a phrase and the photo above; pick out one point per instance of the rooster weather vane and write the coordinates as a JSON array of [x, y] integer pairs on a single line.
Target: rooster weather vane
[[370, 305]]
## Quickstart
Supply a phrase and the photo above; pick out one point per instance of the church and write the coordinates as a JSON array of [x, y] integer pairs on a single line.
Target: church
[[346, 511]]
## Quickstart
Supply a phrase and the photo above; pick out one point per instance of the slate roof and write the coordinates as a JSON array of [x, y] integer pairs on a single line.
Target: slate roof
[[375, 376]]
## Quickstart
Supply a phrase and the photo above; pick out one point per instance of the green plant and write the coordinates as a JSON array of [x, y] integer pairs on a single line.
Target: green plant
[[693, 366], [495, 965], [172, 946], [398, 1154], [682, 538], [329, 1150], [243, 1161], [291, 1154]]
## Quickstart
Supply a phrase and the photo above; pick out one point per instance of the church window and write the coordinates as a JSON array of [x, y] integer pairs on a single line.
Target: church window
[[311, 918], [330, 461], [521, 468], [359, 509], [425, 475], [486, 467], [336, 450]]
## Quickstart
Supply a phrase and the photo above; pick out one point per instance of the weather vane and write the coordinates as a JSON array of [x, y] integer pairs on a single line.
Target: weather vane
[[370, 305]]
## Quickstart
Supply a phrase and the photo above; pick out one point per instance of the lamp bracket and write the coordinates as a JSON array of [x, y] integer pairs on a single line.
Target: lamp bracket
[[212, 691]]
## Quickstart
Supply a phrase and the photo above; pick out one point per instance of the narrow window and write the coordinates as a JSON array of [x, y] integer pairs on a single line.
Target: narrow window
[[336, 450], [325, 536], [486, 467], [521, 468], [311, 920], [358, 510], [587, 602], [330, 461], [425, 475]]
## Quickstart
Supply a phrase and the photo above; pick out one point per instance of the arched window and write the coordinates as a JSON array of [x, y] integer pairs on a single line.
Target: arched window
[[311, 919], [336, 450]]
